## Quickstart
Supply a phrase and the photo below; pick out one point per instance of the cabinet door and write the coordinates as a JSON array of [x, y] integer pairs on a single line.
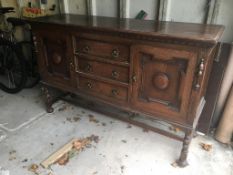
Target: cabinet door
[[55, 57], [162, 81]]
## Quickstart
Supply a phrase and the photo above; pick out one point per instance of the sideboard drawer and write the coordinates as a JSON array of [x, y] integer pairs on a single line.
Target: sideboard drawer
[[110, 71], [117, 52], [102, 90]]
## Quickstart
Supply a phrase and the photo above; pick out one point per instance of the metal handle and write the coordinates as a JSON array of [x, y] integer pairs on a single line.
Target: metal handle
[[200, 73], [86, 49], [36, 46], [57, 58], [115, 53], [71, 65], [115, 74], [134, 78], [88, 67], [114, 92], [201, 67], [89, 85]]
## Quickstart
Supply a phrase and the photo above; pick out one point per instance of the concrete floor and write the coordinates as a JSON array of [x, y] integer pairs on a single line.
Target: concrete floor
[[28, 135]]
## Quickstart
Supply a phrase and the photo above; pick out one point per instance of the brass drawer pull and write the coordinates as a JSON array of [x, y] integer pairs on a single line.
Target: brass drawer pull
[[88, 67], [115, 92], [115, 53], [71, 65], [134, 78], [86, 49], [89, 85], [57, 58], [115, 74], [200, 71]]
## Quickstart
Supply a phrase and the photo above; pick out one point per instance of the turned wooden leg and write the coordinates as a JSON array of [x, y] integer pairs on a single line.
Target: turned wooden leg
[[48, 99], [182, 162]]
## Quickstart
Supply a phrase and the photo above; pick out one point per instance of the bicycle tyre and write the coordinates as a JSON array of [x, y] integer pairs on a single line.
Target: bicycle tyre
[[33, 77], [7, 49]]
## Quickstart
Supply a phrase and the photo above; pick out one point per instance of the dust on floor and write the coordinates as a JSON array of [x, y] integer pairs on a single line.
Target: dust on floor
[[121, 148]]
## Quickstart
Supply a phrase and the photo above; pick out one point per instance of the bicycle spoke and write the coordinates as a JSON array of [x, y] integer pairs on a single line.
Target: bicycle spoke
[[12, 67], [9, 80], [12, 79]]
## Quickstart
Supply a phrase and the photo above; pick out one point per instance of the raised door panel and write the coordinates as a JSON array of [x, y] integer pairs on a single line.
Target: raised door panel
[[162, 81], [55, 57]]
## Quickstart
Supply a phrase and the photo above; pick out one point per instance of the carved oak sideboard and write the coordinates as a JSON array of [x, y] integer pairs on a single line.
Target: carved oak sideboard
[[160, 69]]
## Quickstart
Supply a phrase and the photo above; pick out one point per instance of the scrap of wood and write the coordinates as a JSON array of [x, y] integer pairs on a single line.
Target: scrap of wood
[[206, 147], [66, 152], [92, 119], [63, 160], [58, 154], [33, 168], [174, 164], [174, 129]]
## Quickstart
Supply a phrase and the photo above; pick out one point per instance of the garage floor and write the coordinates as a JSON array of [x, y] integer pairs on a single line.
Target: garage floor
[[28, 135]]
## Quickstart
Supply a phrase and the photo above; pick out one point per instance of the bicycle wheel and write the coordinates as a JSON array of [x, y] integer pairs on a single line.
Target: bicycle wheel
[[29, 54], [12, 67]]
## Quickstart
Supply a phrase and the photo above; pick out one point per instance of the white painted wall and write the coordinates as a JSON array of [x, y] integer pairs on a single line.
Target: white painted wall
[[186, 10], [75, 6], [107, 8], [225, 17], [149, 6]]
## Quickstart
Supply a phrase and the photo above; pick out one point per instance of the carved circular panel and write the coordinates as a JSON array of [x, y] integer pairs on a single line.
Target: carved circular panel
[[160, 81], [57, 58]]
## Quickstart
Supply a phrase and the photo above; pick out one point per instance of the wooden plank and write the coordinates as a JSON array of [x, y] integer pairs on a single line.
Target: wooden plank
[[58, 154]]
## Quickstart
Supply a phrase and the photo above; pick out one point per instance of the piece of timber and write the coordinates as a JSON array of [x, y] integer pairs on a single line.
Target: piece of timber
[[58, 154]]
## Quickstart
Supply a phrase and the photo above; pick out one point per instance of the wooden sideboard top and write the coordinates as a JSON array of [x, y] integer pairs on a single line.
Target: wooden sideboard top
[[170, 30]]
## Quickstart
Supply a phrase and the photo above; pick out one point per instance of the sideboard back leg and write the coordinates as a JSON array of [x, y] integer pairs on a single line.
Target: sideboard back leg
[[182, 161], [48, 99]]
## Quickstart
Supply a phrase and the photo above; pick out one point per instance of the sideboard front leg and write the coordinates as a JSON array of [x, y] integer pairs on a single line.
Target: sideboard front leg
[[182, 162], [48, 99]]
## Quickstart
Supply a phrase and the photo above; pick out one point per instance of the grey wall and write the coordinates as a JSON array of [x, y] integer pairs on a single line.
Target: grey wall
[[186, 10], [76, 6], [225, 17], [149, 6], [107, 8]]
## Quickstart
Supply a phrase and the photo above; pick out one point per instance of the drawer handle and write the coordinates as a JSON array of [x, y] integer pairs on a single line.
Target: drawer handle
[[115, 74], [115, 53], [115, 92], [89, 85], [88, 67], [200, 70], [134, 78], [86, 49], [57, 58]]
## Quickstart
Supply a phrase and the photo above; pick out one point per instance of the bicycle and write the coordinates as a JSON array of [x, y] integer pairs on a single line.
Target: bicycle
[[12, 64], [24, 53]]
